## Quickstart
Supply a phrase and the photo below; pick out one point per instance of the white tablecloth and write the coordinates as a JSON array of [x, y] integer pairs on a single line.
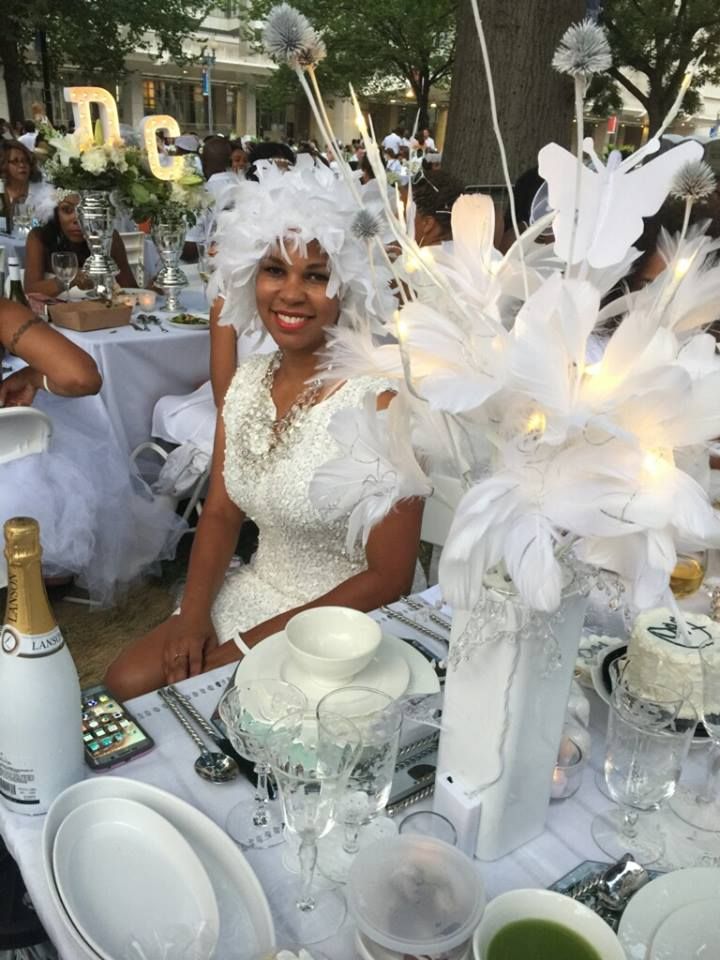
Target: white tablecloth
[[14, 246], [140, 367], [565, 843]]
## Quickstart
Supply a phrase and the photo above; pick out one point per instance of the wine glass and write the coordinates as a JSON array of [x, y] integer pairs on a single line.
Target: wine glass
[[689, 572], [65, 268], [378, 717], [702, 809], [311, 767], [648, 739], [22, 217], [248, 713]]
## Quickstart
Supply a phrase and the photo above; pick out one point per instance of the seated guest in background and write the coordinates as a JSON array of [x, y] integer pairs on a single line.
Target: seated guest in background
[[63, 234], [96, 521], [23, 181], [28, 136], [188, 145], [434, 196], [238, 157]]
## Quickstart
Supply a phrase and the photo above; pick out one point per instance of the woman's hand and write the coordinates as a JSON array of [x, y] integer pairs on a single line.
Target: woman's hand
[[19, 389], [187, 647]]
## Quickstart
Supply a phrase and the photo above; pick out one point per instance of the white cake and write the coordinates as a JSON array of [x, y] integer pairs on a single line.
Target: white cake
[[661, 654]]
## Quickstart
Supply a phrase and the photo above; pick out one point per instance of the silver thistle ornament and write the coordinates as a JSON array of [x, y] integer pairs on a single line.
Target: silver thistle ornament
[[366, 225], [695, 181], [583, 50], [290, 37]]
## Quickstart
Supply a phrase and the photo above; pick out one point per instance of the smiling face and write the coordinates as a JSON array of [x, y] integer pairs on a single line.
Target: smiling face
[[68, 219], [292, 300]]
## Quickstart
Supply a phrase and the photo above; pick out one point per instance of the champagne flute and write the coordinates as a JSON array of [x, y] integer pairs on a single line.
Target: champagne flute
[[311, 767], [702, 809], [65, 268]]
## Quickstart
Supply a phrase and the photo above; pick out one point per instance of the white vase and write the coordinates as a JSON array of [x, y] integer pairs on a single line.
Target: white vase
[[506, 692]]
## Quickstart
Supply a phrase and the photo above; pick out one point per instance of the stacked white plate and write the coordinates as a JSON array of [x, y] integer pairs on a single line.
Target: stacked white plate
[[396, 669], [137, 873]]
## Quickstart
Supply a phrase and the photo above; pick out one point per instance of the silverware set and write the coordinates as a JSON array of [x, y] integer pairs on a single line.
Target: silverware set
[[414, 625], [213, 765], [143, 321]]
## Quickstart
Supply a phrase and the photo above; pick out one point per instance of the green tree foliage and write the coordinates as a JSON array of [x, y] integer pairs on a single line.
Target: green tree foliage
[[375, 44], [653, 41], [93, 35]]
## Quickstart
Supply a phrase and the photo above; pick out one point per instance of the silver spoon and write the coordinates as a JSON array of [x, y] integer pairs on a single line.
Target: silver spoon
[[215, 767], [620, 881]]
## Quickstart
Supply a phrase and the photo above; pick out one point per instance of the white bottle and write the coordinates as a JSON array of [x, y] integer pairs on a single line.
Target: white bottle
[[41, 751]]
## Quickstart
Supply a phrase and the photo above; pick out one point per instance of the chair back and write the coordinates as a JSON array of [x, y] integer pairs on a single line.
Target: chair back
[[135, 249], [440, 509], [23, 430]]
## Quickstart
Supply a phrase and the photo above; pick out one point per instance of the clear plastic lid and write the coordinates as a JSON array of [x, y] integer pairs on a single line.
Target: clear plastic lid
[[415, 895]]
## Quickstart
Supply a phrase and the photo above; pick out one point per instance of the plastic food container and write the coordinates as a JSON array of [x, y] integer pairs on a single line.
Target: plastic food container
[[416, 896]]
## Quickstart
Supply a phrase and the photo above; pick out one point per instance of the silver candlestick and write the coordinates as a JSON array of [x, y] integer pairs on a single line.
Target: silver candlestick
[[169, 239]]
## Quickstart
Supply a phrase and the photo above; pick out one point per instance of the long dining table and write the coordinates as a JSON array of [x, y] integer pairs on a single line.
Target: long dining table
[[565, 842]]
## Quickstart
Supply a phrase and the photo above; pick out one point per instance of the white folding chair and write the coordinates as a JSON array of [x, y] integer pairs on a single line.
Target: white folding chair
[[437, 517], [196, 492], [23, 430], [135, 249]]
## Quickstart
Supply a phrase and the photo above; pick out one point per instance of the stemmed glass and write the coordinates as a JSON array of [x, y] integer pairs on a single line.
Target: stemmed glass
[[248, 713], [311, 767], [379, 719], [648, 739], [703, 810], [65, 268]]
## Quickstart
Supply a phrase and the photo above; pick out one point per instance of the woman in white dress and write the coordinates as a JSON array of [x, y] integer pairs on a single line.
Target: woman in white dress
[[292, 263]]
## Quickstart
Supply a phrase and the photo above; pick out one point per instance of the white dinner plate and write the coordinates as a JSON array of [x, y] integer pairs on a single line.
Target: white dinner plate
[[246, 925], [692, 933], [651, 905], [268, 658], [126, 876]]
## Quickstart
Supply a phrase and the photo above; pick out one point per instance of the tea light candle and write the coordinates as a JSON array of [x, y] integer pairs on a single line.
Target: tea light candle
[[146, 299], [568, 771]]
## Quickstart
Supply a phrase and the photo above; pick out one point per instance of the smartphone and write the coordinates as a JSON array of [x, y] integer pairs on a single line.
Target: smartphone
[[110, 733]]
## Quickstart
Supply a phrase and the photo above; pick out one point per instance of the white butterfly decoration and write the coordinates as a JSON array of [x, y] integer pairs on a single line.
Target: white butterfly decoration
[[614, 198]]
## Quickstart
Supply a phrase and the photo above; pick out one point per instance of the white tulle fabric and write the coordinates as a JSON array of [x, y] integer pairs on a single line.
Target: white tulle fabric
[[97, 520], [300, 555]]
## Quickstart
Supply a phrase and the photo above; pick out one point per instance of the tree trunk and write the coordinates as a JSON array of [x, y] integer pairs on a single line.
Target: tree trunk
[[534, 103], [13, 69]]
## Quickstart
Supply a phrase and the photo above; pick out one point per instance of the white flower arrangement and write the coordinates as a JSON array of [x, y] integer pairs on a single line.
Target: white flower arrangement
[[557, 454], [100, 166]]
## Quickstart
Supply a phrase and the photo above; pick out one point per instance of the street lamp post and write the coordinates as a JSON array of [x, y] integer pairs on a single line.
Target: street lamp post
[[208, 60]]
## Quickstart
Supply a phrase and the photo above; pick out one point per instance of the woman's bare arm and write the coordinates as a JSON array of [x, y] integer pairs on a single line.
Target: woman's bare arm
[[35, 281]]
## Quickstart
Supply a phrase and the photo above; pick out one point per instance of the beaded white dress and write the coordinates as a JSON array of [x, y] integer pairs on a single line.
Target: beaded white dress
[[300, 554]]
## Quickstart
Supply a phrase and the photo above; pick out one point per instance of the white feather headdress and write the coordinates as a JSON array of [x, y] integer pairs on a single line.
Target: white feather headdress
[[289, 210]]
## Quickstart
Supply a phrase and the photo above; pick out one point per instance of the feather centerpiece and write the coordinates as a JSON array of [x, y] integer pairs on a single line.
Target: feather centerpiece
[[565, 439]]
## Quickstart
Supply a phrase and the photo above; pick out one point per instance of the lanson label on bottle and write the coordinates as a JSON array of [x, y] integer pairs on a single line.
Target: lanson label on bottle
[[18, 644]]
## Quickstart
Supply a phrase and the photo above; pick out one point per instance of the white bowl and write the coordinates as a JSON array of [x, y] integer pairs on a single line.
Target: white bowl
[[546, 905], [332, 644]]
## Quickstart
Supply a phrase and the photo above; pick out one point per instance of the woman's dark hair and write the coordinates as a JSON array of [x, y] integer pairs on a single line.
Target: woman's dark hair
[[6, 146], [435, 194], [55, 241], [267, 151]]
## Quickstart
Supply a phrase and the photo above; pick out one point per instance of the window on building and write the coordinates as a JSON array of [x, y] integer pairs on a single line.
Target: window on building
[[149, 98]]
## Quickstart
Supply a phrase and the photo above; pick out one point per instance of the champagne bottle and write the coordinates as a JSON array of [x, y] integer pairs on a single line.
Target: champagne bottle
[[41, 750], [16, 291]]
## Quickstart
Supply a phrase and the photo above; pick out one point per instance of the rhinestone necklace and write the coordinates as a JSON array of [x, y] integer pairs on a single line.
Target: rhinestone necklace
[[270, 432]]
